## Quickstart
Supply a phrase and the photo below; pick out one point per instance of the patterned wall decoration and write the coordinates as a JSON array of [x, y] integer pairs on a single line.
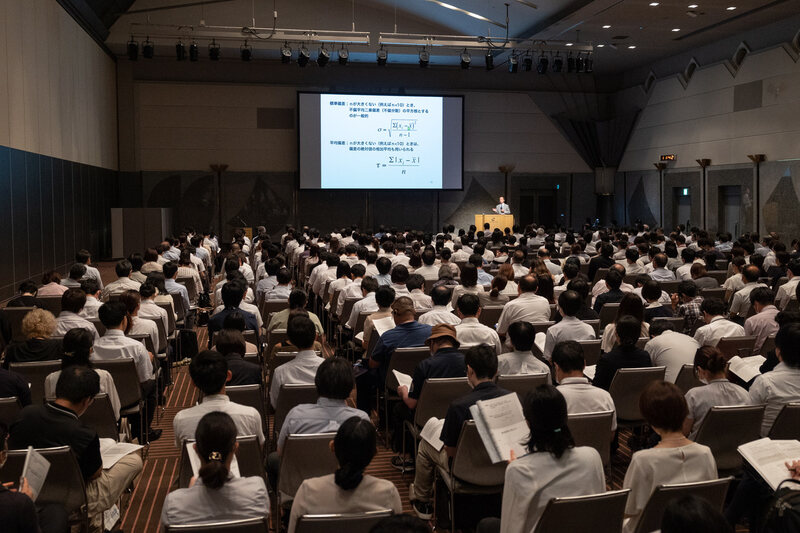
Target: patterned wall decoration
[[643, 197], [742, 177], [779, 199]]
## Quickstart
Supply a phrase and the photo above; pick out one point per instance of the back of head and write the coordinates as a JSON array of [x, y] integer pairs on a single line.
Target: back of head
[[77, 383], [131, 299], [628, 330], [570, 302], [112, 314], [580, 286], [651, 290], [663, 406], [38, 323], [170, 269], [545, 410], [713, 306], [787, 341], [216, 437], [692, 514], [384, 296], [762, 296], [209, 371], [441, 295], [369, 284], [334, 379], [568, 355], [399, 274], [233, 292], [297, 299], [77, 346], [482, 360], [468, 305], [77, 271], [355, 445], [73, 300], [750, 273], [657, 327], [415, 281], [469, 275], [711, 359], [528, 283], [613, 279], [301, 332], [83, 256], [384, 265], [522, 335], [687, 288], [230, 341]]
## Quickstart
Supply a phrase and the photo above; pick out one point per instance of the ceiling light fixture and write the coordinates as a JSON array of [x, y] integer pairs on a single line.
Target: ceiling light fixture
[[469, 13], [213, 51], [344, 55], [180, 51], [569, 44], [286, 53], [466, 59], [303, 56], [606, 26], [600, 46], [692, 6], [424, 58], [513, 63], [323, 56], [653, 4], [676, 29], [133, 49], [148, 49], [631, 47], [730, 8]]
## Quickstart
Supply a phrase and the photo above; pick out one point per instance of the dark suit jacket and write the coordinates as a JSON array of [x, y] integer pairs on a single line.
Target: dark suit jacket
[[619, 357]]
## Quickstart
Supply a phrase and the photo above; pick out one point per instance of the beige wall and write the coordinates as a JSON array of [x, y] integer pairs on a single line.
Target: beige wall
[[57, 86], [699, 122]]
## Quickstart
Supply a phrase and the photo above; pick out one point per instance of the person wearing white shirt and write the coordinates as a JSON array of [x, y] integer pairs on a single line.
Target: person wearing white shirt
[[123, 282], [209, 373], [328, 274], [740, 304], [282, 290], [428, 270], [781, 385], [72, 302], [684, 272], [270, 279], [553, 468], [527, 307], [544, 256], [735, 280], [415, 284], [520, 270], [470, 332], [581, 396], [521, 360], [351, 290], [631, 263], [788, 290], [439, 313], [247, 272], [660, 272], [303, 368], [93, 303], [149, 309], [717, 326], [709, 365], [367, 304], [85, 257], [669, 348], [762, 324], [136, 324], [342, 281], [569, 328]]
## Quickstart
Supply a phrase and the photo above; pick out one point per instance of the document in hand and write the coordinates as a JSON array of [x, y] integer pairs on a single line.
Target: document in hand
[[112, 451], [194, 461], [35, 471], [432, 431], [590, 371], [383, 325], [402, 379], [502, 426], [769, 458], [746, 368]]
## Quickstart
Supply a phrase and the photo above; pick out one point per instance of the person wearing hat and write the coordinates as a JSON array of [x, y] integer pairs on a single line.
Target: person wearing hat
[[445, 362]]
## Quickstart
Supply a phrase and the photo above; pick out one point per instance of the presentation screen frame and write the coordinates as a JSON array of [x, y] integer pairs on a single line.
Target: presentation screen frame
[[368, 93]]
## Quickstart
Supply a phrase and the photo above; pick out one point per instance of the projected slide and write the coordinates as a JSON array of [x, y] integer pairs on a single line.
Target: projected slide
[[380, 142]]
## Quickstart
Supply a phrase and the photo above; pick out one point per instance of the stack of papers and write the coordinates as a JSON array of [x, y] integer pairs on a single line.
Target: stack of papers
[[502, 426], [746, 368], [590, 371], [432, 431], [402, 379], [769, 457], [35, 471]]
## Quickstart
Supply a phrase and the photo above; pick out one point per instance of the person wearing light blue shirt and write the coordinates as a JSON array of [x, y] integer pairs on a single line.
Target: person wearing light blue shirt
[[502, 208], [173, 287]]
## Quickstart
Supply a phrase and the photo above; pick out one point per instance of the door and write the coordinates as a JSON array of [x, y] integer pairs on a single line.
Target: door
[[681, 206], [537, 205], [730, 202]]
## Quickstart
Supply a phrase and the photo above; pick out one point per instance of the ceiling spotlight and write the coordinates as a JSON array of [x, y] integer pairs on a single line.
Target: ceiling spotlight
[[527, 63], [579, 65], [323, 56], [193, 52], [489, 60], [286, 53], [588, 64], [133, 49], [569, 44], [606, 26], [513, 64], [148, 49], [246, 51], [213, 51], [558, 63], [570, 63], [730, 8], [424, 58], [600, 45], [303, 56], [180, 51], [676, 29], [653, 4], [465, 59], [541, 66], [631, 47], [382, 55], [344, 55], [692, 6]]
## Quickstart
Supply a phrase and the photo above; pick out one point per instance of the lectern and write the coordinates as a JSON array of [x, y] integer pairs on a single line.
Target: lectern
[[494, 220]]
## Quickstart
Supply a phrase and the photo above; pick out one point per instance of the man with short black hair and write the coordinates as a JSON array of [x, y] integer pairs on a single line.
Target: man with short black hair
[[232, 294], [428, 270], [415, 286], [93, 303], [170, 270], [350, 290], [367, 303], [521, 360], [569, 328], [614, 295], [780, 386], [148, 308], [762, 324], [439, 314], [283, 288], [384, 266], [717, 326], [123, 283], [581, 396], [470, 331], [209, 373], [270, 281], [84, 257], [303, 368], [527, 307], [76, 273], [604, 260], [787, 290], [740, 304], [297, 300], [669, 348], [384, 297], [231, 344], [58, 423], [72, 302]]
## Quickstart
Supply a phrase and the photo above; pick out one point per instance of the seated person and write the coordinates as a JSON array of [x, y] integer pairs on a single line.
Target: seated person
[[439, 314], [384, 298], [554, 468], [585, 312], [37, 327], [209, 373], [123, 282], [780, 386], [581, 396], [51, 285], [57, 423], [570, 327], [651, 292], [416, 286], [282, 290], [76, 273], [481, 364], [630, 305], [670, 349], [215, 495], [625, 355], [136, 324], [72, 302], [13, 384], [297, 300], [709, 366], [27, 296], [495, 296], [231, 344], [716, 325], [614, 293], [303, 368], [93, 303], [77, 351], [675, 459], [115, 345], [521, 360], [232, 293], [470, 331], [348, 490]]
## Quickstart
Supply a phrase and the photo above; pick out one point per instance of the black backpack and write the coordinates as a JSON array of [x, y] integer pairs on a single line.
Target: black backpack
[[783, 511]]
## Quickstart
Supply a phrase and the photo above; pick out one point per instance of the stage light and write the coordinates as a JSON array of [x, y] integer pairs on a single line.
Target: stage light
[[541, 67], [246, 51], [588, 64], [148, 49], [579, 64], [489, 60], [527, 63], [323, 56], [303, 56], [213, 51], [180, 51], [344, 56], [133, 49], [570, 63], [382, 55], [193, 52], [424, 58], [286, 53], [465, 59], [513, 64], [558, 63]]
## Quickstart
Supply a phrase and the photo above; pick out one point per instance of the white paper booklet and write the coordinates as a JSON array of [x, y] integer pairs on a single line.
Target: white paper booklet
[[502, 426], [769, 458], [194, 460], [383, 325], [35, 471], [402, 379], [590, 371], [432, 431], [112, 451], [539, 341], [746, 368]]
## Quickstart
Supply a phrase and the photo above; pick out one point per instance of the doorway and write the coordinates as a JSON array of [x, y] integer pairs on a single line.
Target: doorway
[[538, 206], [681, 205], [730, 202]]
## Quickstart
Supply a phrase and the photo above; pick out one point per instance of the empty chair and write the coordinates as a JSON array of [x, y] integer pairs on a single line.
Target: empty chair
[[541, 327], [687, 379], [725, 428], [669, 287], [191, 287], [594, 430], [250, 525], [787, 423], [269, 307], [714, 491], [627, 386], [522, 384], [404, 360], [349, 522], [490, 315], [275, 337], [9, 409], [35, 373], [14, 315], [743, 346], [295, 466], [598, 513], [591, 351], [100, 417], [607, 314]]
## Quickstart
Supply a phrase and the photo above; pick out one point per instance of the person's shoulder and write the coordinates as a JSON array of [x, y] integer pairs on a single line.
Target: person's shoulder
[[586, 454]]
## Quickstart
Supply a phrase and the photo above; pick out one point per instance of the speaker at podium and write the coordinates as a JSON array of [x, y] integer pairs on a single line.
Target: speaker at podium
[[494, 220]]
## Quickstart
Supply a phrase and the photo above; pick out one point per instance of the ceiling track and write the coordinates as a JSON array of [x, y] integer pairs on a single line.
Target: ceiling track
[[731, 19]]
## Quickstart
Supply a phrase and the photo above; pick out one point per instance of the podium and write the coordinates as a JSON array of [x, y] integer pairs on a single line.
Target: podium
[[494, 220]]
